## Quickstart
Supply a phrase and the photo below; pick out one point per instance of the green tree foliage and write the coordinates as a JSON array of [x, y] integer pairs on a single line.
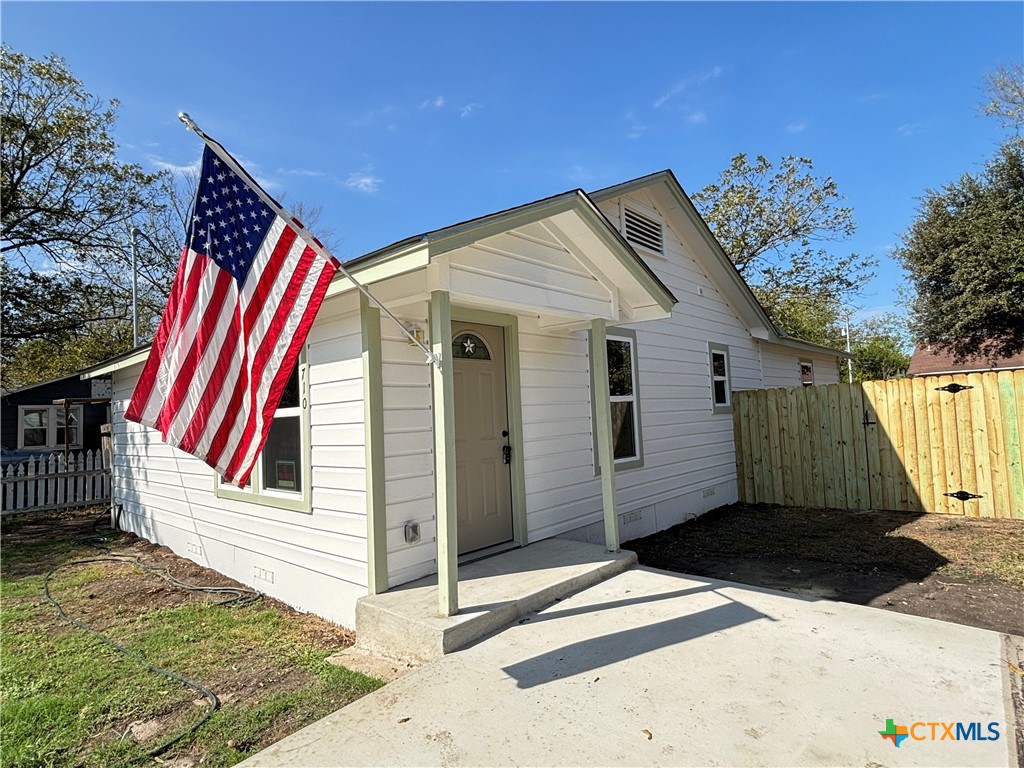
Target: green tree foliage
[[880, 346], [965, 255], [64, 191], [66, 206], [773, 221], [879, 358]]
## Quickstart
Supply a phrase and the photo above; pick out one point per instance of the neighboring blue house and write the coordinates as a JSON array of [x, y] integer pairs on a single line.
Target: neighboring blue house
[[30, 422]]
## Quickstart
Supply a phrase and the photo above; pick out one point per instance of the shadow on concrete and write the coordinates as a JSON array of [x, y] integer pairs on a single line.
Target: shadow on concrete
[[594, 653]]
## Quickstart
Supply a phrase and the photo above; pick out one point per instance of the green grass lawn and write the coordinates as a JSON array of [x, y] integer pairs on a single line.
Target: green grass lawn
[[68, 699]]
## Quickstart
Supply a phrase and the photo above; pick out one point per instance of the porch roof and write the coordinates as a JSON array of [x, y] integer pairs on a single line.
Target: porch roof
[[579, 226]]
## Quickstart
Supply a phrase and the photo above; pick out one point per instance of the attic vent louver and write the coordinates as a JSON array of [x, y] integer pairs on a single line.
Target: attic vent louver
[[643, 230]]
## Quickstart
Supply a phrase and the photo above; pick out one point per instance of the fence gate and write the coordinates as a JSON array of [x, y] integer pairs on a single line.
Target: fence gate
[[946, 444]]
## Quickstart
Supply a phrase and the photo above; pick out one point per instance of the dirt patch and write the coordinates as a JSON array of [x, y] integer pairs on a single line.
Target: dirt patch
[[964, 570]]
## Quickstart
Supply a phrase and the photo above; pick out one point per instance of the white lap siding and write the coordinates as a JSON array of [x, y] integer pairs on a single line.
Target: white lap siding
[[689, 460], [408, 456], [314, 560], [782, 367]]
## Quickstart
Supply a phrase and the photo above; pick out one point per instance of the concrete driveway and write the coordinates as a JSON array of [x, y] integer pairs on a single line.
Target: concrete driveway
[[652, 668]]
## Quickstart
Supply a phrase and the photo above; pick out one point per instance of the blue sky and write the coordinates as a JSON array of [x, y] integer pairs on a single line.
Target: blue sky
[[401, 118]]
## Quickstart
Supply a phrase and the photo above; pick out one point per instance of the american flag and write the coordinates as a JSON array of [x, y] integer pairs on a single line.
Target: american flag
[[244, 297]]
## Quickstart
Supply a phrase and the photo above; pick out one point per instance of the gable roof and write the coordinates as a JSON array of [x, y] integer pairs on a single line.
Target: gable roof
[[440, 241], [665, 185], [934, 361]]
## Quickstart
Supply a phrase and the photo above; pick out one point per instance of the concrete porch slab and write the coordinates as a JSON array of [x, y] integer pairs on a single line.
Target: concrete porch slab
[[404, 623]]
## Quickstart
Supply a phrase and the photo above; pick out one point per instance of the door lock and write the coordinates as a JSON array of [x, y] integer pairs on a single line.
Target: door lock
[[506, 454]]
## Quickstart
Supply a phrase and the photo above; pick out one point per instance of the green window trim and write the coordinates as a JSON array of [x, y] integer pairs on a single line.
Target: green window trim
[[296, 502], [614, 333], [715, 349]]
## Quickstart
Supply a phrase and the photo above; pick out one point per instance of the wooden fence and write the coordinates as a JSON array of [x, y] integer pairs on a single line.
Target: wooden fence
[[947, 444], [54, 482]]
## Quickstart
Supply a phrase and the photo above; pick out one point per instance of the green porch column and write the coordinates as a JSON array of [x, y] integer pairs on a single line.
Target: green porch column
[[373, 404], [603, 431], [443, 387]]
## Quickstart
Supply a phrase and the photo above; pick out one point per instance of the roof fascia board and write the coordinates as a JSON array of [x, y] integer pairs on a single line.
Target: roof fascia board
[[806, 346], [669, 181], [135, 357], [391, 265], [451, 238], [616, 243]]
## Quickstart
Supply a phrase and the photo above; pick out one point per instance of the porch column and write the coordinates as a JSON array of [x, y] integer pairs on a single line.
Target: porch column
[[443, 388], [373, 404], [603, 430]]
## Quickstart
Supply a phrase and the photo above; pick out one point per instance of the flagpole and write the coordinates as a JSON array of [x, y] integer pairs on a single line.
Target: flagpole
[[305, 234]]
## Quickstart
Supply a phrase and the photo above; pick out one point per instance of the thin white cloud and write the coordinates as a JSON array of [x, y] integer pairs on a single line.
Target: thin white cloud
[[875, 96], [435, 103], [190, 169], [697, 116], [363, 181], [469, 109], [371, 116], [693, 81], [300, 172], [271, 185], [906, 130], [636, 128], [798, 126], [581, 175]]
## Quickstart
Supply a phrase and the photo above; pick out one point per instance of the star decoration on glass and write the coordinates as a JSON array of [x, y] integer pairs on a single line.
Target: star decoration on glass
[[469, 346]]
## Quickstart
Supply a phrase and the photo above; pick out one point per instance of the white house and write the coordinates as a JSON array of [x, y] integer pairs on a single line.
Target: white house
[[590, 346]]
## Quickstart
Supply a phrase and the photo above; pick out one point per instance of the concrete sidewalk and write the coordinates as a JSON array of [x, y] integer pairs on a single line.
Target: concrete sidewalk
[[652, 668]]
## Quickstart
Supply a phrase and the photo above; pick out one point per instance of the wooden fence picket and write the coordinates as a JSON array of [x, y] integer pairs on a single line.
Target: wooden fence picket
[[946, 444], [55, 482]]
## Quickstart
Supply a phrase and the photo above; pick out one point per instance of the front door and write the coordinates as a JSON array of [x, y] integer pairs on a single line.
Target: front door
[[484, 490]]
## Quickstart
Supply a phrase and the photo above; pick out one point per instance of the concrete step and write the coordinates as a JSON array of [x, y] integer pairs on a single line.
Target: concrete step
[[404, 623]]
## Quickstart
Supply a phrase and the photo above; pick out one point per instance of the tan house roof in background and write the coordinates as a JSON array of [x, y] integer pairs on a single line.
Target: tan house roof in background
[[934, 361]]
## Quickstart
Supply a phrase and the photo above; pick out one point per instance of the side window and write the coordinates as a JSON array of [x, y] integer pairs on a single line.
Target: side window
[[721, 382], [624, 400], [622, 388], [281, 465], [806, 372], [33, 431], [281, 473], [50, 427]]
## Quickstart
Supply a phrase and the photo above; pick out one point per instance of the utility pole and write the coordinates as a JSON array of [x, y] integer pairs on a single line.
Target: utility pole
[[849, 361], [134, 232]]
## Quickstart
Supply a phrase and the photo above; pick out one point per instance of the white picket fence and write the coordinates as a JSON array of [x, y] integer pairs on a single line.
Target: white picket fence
[[48, 483]]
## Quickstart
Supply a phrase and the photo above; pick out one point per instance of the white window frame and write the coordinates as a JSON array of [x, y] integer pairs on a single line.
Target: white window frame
[[810, 365], [256, 492], [637, 459], [723, 350], [51, 426]]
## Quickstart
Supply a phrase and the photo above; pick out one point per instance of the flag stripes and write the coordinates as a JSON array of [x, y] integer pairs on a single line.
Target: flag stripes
[[245, 295]]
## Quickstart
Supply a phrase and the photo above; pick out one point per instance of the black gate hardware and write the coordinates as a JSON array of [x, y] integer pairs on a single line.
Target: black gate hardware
[[953, 389], [867, 419], [963, 495]]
